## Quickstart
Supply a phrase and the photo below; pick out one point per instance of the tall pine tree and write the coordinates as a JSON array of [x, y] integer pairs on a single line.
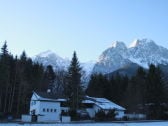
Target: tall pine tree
[[4, 78], [48, 79], [73, 88]]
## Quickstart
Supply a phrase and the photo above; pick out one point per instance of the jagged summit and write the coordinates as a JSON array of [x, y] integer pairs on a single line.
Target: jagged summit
[[140, 42], [51, 58], [141, 51], [118, 44], [134, 43], [47, 53]]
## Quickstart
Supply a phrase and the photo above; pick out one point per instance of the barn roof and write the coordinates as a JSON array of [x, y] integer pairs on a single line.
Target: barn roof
[[104, 103]]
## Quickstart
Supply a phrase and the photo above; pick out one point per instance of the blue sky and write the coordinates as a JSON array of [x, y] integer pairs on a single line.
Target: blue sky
[[87, 26]]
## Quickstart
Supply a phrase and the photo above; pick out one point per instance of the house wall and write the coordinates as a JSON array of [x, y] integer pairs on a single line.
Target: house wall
[[120, 113], [91, 112], [136, 116], [35, 106], [46, 110], [96, 108], [50, 110]]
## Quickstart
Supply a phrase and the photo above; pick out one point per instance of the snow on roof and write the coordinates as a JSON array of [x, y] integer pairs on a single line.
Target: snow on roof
[[44, 96], [101, 102], [61, 99], [105, 104], [88, 101]]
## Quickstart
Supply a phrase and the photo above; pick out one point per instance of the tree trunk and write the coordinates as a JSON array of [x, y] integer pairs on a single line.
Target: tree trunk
[[6, 99], [12, 97]]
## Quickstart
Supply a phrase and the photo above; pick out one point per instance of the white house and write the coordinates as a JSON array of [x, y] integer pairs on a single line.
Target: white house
[[93, 105], [47, 107]]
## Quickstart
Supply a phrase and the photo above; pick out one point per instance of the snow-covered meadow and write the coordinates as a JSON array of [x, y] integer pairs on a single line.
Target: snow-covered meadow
[[92, 124]]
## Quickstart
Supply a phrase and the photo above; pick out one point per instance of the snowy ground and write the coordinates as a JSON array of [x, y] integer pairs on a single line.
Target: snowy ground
[[92, 124]]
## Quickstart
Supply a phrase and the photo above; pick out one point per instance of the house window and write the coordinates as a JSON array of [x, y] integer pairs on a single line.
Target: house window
[[55, 110], [43, 109], [33, 112], [51, 110], [33, 103], [47, 110]]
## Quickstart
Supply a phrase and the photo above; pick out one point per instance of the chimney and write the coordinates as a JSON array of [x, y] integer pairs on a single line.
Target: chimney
[[48, 90]]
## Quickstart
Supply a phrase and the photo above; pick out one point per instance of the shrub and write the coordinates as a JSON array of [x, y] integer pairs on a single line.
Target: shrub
[[74, 115], [100, 116], [125, 118], [111, 115], [65, 113]]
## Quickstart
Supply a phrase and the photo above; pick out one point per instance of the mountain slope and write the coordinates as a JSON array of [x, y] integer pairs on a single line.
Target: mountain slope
[[142, 52], [128, 70], [50, 58], [59, 63], [112, 59]]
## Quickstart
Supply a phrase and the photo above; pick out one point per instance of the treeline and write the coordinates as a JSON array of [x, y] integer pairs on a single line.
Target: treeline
[[144, 93], [19, 76]]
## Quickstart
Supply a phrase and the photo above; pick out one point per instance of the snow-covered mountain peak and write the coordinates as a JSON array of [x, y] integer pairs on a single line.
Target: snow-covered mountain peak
[[51, 58], [47, 53], [58, 63], [134, 43], [141, 42], [118, 44], [141, 51]]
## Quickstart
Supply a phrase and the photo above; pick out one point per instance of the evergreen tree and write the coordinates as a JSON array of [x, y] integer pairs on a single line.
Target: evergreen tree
[[48, 79], [37, 76], [141, 86], [136, 91], [59, 83], [91, 91], [4, 49], [111, 90], [22, 84], [73, 87], [18, 78], [4, 78], [155, 93], [155, 85], [98, 86]]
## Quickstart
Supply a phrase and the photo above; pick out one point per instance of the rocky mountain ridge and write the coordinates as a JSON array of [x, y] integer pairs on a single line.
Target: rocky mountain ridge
[[141, 52], [58, 63]]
